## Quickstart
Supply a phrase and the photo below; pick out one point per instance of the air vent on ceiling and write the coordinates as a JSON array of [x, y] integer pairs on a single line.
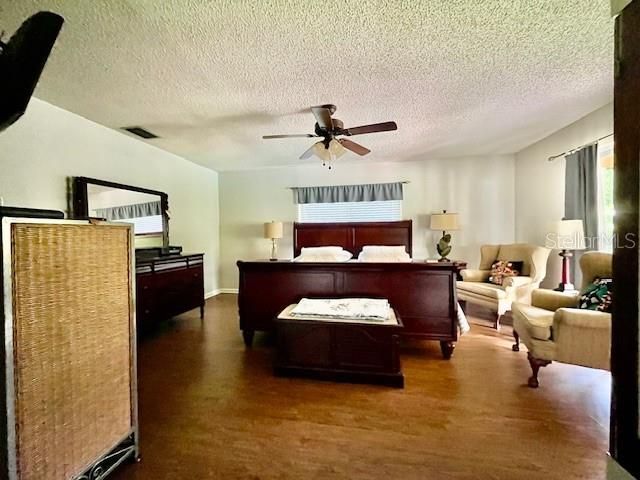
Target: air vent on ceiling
[[141, 132]]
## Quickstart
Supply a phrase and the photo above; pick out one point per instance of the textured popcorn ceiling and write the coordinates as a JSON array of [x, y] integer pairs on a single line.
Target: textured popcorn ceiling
[[460, 77]]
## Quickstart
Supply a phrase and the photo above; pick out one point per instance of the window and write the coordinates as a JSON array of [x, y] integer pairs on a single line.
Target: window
[[145, 225], [376, 211], [606, 210]]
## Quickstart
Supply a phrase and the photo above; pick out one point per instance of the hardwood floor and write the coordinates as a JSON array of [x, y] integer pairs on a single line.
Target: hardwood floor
[[211, 409]]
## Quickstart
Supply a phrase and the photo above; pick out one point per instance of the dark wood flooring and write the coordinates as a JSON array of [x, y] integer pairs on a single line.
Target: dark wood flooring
[[210, 409]]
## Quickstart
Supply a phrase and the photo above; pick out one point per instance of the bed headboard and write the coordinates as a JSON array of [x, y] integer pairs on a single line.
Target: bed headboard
[[352, 236]]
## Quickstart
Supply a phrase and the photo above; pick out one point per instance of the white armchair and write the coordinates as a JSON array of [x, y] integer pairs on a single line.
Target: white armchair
[[475, 286], [553, 328]]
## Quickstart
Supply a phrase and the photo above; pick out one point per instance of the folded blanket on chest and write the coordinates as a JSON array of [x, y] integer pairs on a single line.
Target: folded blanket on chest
[[356, 308]]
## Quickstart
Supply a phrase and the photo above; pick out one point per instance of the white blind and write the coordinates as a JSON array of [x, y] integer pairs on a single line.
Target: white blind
[[145, 225], [377, 211]]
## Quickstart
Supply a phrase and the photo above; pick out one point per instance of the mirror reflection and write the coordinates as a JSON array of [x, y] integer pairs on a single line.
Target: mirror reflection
[[143, 210]]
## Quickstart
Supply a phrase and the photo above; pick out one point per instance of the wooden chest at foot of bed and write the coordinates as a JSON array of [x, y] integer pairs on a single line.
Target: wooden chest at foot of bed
[[351, 351]]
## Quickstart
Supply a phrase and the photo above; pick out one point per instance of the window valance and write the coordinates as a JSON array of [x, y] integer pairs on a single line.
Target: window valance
[[135, 210], [369, 192]]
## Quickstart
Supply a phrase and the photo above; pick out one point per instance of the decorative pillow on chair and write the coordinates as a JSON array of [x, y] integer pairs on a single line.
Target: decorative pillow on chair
[[597, 295], [504, 268]]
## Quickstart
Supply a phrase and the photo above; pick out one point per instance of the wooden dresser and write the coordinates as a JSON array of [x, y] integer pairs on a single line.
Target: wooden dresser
[[167, 286]]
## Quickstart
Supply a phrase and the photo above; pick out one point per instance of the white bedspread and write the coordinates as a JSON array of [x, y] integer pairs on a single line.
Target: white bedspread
[[351, 308], [463, 323]]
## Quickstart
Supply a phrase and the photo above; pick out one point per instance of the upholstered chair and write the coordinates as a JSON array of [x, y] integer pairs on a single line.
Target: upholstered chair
[[475, 287], [553, 328]]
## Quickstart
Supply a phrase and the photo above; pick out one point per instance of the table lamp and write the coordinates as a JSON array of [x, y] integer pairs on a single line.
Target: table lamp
[[273, 230], [444, 222], [569, 236]]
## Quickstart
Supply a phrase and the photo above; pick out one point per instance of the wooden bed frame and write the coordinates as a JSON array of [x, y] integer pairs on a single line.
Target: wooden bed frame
[[352, 236], [423, 294]]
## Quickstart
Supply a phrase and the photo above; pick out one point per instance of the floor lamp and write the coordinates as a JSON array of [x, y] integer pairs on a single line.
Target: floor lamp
[[569, 236]]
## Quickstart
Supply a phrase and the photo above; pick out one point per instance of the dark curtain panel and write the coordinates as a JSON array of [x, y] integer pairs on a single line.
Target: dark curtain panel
[[581, 197], [348, 193]]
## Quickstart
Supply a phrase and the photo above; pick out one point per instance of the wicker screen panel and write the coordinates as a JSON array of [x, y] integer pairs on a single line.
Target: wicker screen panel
[[72, 345]]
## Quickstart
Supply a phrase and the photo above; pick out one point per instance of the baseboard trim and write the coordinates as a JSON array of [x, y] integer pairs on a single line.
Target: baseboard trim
[[218, 291], [228, 290]]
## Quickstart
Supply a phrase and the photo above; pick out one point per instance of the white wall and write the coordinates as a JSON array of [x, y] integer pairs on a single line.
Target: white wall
[[540, 183], [481, 189], [49, 144]]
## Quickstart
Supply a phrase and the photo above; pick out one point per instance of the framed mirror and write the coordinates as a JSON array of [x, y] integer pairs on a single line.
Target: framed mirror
[[146, 209]]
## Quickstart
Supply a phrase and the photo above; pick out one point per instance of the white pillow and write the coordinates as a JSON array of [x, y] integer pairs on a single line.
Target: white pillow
[[384, 249], [383, 253], [384, 259], [339, 255], [316, 250]]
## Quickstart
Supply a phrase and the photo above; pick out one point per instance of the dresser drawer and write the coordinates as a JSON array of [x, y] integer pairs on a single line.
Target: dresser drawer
[[167, 293]]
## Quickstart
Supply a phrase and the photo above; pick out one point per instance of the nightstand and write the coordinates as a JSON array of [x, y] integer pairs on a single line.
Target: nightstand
[[459, 264]]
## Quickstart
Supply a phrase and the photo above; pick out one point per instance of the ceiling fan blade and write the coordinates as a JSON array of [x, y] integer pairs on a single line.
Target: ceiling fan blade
[[309, 152], [354, 147], [296, 135], [323, 117], [373, 128]]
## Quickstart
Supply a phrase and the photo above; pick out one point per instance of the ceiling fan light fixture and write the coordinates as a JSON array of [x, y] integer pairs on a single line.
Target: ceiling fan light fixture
[[336, 149], [328, 155], [321, 152], [328, 128]]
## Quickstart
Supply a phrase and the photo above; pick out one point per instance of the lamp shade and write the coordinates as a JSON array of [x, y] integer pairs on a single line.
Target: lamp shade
[[336, 149], [321, 152], [566, 235], [444, 221], [273, 230]]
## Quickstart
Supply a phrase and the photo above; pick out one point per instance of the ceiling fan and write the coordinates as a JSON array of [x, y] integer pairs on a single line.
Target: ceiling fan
[[330, 147]]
